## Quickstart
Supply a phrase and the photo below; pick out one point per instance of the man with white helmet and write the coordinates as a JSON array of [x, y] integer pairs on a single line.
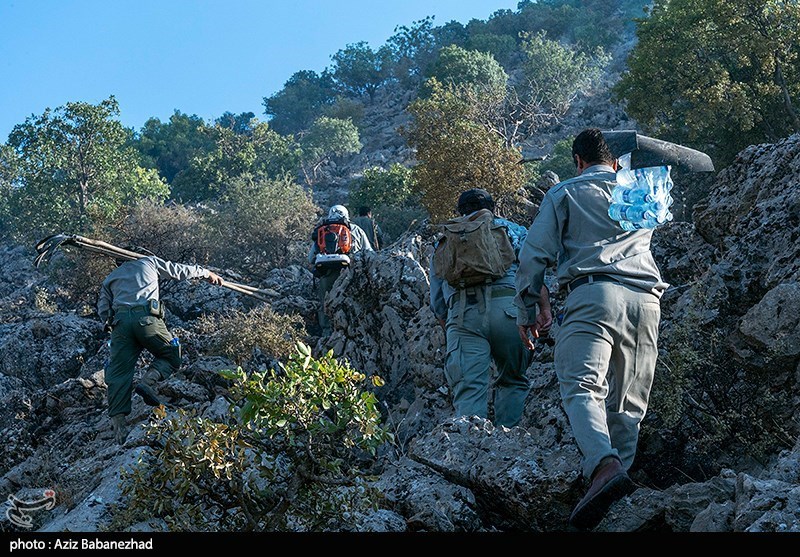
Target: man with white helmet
[[334, 240]]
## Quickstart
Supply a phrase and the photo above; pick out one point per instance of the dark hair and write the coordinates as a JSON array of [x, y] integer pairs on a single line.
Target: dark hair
[[474, 200], [591, 146], [363, 211]]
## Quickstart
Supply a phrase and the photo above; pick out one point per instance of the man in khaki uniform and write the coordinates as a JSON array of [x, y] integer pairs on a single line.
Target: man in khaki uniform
[[606, 346], [480, 325], [367, 223], [130, 307]]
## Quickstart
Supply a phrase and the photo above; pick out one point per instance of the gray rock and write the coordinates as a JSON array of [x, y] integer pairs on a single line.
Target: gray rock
[[517, 484], [773, 324], [427, 500]]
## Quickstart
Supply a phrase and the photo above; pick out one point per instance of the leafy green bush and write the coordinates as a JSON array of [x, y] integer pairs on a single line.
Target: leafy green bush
[[707, 405], [470, 68], [262, 223], [390, 194], [237, 334], [291, 456], [173, 232]]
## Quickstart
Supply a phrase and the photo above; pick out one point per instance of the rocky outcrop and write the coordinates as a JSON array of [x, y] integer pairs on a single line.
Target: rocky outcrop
[[734, 278]]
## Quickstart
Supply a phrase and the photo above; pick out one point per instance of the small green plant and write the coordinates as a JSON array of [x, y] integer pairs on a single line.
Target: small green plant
[[192, 478], [237, 334], [42, 300], [708, 405], [294, 453]]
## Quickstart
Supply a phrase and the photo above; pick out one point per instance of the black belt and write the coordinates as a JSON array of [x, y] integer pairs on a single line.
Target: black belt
[[503, 291], [132, 309], [587, 279]]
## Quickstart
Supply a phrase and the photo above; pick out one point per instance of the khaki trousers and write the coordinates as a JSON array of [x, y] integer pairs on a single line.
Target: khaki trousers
[[605, 357], [484, 335]]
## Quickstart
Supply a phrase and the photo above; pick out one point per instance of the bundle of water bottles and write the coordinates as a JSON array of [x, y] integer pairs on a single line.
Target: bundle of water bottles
[[641, 198]]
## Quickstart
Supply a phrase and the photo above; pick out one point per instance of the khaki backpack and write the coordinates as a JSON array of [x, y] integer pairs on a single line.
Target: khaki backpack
[[473, 250]]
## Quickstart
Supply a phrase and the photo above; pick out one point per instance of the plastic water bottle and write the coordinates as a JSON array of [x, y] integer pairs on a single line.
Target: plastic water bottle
[[641, 198], [631, 195], [627, 212]]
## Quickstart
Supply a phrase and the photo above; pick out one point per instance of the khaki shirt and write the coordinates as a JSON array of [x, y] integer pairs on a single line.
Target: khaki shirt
[[372, 230], [135, 282], [573, 230]]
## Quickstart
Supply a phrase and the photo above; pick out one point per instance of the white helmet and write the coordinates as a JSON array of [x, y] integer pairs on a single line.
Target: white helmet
[[338, 212]]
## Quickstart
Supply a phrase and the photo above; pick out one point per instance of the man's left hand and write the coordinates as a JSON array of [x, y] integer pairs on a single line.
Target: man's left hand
[[525, 334], [214, 278], [543, 323]]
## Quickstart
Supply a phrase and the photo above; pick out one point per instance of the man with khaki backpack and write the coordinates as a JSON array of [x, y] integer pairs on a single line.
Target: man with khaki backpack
[[472, 276]]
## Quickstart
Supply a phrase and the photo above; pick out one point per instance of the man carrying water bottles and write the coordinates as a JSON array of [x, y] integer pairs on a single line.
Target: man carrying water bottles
[[606, 345]]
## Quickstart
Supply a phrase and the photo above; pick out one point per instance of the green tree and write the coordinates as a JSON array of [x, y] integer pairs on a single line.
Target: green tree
[[76, 170], [262, 152], [239, 123], [555, 75], [501, 47], [455, 151], [391, 195], [412, 49], [301, 100], [359, 70], [451, 32], [327, 137], [171, 146], [262, 223], [716, 75], [470, 68]]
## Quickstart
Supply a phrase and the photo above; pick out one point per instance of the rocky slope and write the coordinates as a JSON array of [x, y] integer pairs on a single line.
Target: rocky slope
[[734, 271]]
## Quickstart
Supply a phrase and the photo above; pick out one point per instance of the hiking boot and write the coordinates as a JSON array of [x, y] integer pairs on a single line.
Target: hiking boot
[[121, 428], [610, 483], [146, 388]]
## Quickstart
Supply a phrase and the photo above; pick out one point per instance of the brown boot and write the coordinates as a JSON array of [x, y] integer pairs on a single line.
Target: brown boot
[[147, 387], [610, 483], [121, 429]]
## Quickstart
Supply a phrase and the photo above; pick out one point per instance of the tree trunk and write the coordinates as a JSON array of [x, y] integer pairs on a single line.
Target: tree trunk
[[787, 99], [83, 201]]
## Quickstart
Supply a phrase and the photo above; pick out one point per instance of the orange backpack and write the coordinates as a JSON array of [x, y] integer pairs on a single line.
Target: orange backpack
[[334, 237]]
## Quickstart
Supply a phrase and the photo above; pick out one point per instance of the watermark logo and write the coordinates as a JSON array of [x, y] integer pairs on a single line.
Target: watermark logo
[[18, 510]]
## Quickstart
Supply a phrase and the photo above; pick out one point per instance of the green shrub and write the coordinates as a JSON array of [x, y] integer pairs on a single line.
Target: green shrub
[[390, 194], [237, 334], [293, 450], [261, 224]]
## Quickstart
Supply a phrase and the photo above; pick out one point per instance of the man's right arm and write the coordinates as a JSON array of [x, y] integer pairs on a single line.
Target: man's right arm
[[104, 303], [179, 271], [539, 251], [438, 303]]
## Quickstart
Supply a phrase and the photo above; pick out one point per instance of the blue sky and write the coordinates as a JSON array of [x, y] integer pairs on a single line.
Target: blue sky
[[202, 57]]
